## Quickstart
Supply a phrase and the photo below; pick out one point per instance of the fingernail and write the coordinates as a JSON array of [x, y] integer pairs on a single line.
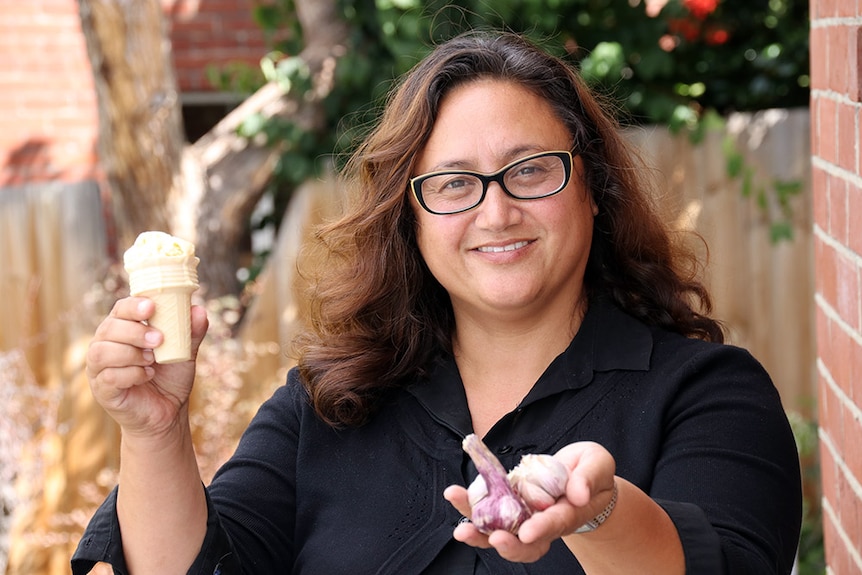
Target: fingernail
[[149, 371], [149, 356], [152, 337], [142, 306]]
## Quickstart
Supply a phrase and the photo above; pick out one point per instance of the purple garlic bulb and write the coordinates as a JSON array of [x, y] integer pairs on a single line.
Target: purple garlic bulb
[[540, 480], [496, 505]]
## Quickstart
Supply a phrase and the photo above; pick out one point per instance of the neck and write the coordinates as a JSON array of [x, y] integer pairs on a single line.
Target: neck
[[500, 361]]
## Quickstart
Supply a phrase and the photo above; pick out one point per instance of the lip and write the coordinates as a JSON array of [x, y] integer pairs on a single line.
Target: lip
[[504, 248]]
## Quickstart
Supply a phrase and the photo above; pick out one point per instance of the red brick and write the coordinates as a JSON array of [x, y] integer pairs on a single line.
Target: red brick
[[848, 124], [855, 361], [818, 57], [819, 183], [836, 553], [826, 130], [838, 48], [854, 90], [852, 426], [839, 221], [828, 469], [832, 415], [825, 272], [842, 347], [847, 302], [854, 208]]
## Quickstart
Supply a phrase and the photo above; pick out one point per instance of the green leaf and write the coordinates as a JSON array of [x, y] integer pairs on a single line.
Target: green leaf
[[252, 125], [781, 231]]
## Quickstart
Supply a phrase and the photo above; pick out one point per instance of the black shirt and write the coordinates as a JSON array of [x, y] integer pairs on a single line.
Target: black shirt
[[698, 426]]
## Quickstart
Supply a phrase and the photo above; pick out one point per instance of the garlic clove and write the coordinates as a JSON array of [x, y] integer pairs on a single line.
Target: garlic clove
[[540, 480]]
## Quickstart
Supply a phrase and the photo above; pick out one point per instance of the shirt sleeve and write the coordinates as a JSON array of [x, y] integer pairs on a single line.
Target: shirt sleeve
[[701, 545], [252, 488], [101, 543], [729, 475]]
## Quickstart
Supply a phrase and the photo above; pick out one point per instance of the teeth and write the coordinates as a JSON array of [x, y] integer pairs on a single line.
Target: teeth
[[498, 249]]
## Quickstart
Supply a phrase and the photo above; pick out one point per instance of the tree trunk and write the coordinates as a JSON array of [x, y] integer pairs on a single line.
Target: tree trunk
[[236, 170], [140, 131]]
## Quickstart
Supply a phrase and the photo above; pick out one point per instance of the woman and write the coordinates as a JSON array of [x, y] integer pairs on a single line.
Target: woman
[[500, 272]]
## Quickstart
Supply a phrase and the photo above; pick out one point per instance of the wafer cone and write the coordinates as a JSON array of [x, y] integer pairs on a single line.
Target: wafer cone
[[173, 318], [164, 269]]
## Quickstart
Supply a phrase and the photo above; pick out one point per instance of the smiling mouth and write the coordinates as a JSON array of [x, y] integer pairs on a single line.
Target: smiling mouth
[[500, 249]]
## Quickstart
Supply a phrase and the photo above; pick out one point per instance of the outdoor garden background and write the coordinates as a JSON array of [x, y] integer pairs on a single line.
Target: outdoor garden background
[[222, 120]]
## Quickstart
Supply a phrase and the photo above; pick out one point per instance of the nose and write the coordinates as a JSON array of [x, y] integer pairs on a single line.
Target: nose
[[498, 210]]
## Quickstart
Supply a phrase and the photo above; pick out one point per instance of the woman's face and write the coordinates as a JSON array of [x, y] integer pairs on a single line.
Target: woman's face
[[518, 258]]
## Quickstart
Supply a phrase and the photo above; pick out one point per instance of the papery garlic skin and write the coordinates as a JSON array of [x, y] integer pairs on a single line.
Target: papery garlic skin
[[540, 480], [501, 507], [477, 490]]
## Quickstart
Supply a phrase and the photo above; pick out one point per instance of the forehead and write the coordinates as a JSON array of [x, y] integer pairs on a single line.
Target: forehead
[[485, 124]]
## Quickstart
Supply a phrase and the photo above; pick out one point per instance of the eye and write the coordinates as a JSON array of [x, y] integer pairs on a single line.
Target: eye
[[529, 170], [451, 185], [455, 184]]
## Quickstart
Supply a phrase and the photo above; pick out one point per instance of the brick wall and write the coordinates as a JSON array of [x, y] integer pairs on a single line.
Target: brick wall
[[48, 127], [205, 32], [836, 105], [49, 117]]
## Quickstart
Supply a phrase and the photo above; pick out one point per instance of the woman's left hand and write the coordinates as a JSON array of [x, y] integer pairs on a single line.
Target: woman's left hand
[[588, 491]]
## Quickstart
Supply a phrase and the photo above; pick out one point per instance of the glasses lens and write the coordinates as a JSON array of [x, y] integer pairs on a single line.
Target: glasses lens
[[446, 193], [536, 177]]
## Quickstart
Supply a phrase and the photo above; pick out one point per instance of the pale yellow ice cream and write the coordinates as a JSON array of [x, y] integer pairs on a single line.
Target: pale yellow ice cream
[[164, 268]]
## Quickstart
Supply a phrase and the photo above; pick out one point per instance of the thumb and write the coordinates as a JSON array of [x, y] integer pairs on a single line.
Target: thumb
[[200, 324]]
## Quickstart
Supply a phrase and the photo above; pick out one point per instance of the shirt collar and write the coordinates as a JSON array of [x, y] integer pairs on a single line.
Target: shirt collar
[[608, 339]]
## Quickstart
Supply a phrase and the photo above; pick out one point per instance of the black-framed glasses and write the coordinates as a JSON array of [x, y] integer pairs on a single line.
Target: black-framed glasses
[[530, 178]]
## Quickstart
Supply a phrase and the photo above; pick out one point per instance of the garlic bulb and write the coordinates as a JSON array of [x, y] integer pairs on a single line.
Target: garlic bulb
[[503, 501], [500, 507], [540, 480]]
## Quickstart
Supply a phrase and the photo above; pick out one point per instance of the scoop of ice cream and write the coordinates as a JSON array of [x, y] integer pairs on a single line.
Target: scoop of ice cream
[[157, 245], [158, 260]]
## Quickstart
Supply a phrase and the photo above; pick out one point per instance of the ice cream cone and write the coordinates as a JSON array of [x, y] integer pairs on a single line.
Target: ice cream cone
[[164, 269]]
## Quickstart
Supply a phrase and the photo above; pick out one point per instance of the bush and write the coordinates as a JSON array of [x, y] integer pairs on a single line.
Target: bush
[[664, 61]]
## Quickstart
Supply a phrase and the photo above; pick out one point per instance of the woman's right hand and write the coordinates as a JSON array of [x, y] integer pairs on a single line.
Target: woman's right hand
[[145, 398]]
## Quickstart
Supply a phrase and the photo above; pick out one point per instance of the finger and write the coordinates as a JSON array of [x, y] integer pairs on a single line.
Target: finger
[[466, 532], [133, 309], [510, 547], [457, 496], [555, 521], [102, 355], [127, 332], [200, 325], [113, 380], [121, 343], [591, 470]]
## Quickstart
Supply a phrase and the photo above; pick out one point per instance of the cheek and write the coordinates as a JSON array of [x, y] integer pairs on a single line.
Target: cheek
[[438, 239]]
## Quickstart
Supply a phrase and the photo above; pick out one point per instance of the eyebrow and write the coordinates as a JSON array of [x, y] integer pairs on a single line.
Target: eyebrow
[[507, 158]]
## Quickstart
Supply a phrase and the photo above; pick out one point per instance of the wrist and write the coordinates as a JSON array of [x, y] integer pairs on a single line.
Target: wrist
[[602, 516]]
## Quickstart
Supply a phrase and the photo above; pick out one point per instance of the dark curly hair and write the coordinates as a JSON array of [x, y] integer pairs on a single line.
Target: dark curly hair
[[378, 317]]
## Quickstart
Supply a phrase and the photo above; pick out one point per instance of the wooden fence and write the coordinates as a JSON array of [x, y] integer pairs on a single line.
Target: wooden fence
[[58, 451]]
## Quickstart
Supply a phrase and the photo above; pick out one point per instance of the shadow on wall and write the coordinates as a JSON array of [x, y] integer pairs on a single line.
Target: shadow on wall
[[29, 162]]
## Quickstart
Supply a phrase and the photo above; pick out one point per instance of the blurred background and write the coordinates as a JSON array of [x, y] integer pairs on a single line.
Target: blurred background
[[223, 122]]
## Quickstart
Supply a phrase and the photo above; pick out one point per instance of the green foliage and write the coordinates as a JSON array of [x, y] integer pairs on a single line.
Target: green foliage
[[812, 560], [772, 198]]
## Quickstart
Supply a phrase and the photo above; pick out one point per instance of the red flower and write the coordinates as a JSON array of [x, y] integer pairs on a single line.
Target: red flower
[[716, 36], [700, 9], [688, 29]]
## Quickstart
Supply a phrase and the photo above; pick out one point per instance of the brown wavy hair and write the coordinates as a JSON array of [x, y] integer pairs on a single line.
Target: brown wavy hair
[[378, 317]]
